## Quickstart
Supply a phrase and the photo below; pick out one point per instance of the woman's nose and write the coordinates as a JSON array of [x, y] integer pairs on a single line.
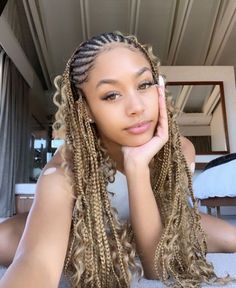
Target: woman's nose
[[135, 105]]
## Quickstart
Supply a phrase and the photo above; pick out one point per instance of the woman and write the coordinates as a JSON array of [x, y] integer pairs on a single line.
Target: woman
[[113, 117]]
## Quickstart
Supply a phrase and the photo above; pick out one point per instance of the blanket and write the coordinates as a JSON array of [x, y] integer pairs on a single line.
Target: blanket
[[224, 264]]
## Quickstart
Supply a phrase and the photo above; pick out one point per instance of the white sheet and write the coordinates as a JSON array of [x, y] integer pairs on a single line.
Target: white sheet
[[223, 263], [218, 181]]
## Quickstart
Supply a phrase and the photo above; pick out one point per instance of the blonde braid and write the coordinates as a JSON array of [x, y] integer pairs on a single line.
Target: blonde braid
[[100, 276], [102, 251]]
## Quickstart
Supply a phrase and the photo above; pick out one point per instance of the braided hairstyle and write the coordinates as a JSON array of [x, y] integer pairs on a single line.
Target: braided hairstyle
[[101, 251]]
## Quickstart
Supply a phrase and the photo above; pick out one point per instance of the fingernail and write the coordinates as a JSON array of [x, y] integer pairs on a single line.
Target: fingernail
[[161, 81], [161, 86]]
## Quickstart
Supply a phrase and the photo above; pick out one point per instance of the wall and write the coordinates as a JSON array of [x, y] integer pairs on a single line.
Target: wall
[[217, 130], [210, 73], [195, 130]]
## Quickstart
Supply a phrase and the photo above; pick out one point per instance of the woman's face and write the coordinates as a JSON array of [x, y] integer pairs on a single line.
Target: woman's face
[[122, 97]]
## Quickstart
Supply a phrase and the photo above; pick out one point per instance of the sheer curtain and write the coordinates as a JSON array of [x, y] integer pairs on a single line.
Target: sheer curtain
[[14, 133]]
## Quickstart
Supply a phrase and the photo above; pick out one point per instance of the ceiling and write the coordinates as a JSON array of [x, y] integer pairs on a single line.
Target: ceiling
[[195, 104], [182, 32]]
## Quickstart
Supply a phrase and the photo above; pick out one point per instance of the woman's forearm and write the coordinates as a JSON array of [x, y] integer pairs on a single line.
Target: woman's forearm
[[27, 272], [145, 217]]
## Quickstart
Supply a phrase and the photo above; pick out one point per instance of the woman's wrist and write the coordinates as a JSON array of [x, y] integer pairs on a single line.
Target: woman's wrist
[[133, 170]]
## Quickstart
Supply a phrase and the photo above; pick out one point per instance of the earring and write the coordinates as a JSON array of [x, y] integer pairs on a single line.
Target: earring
[[91, 121]]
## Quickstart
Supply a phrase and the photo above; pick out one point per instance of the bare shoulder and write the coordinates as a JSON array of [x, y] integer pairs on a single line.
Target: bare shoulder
[[53, 186], [53, 178], [188, 151], [48, 225]]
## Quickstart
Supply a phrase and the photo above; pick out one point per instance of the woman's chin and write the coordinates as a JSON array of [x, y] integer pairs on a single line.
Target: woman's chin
[[138, 141]]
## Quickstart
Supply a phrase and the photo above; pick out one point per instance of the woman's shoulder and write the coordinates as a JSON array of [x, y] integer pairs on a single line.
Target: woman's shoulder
[[54, 166], [54, 179], [56, 160], [189, 151], [48, 225], [187, 145]]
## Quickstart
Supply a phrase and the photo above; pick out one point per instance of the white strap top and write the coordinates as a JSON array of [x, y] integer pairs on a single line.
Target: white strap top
[[119, 197]]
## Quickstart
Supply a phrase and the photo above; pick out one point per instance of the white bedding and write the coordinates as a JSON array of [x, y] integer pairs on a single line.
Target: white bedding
[[224, 264], [218, 181]]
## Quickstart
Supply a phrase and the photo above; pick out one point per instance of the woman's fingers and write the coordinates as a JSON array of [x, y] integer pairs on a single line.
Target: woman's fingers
[[144, 153], [162, 127]]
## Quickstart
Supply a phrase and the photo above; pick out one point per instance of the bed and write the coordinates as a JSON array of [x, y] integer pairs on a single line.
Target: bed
[[223, 263], [215, 187]]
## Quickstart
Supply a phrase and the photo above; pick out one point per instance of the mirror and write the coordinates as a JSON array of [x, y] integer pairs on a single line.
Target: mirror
[[201, 116]]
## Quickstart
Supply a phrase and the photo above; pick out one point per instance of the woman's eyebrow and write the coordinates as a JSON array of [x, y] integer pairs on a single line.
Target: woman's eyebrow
[[141, 71], [113, 81]]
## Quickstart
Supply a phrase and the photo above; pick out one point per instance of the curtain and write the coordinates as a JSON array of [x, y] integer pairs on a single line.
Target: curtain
[[14, 133]]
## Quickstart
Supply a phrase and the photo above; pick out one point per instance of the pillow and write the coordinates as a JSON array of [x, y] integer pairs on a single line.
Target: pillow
[[218, 181], [220, 160]]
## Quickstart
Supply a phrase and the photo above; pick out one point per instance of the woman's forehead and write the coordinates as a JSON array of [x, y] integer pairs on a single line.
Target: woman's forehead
[[119, 49], [114, 62], [119, 57]]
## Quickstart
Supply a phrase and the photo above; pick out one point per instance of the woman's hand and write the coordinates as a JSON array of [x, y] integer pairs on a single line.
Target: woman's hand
[[144, 212], [142, 155]]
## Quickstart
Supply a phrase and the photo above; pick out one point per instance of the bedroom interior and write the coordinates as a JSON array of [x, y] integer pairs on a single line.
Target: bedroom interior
[[196, 42]]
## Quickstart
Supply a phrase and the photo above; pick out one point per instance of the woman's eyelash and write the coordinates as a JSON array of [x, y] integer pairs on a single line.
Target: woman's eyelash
[[110, 96], [146, 84]]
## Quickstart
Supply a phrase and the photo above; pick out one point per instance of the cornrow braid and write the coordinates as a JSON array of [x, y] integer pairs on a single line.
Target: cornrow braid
[[102, 251], [83, 58]]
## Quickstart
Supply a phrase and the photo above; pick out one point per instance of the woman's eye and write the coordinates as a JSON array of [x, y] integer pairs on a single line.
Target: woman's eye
[[145, 85], [111, 97]]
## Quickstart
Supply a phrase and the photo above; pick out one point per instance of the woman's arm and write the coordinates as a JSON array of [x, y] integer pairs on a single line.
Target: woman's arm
[[220, 235], [145, 217], [144, 212], [41, 252], [11, 231]]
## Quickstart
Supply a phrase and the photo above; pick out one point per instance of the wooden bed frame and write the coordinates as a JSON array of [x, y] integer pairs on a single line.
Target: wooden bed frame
[[217, 202]]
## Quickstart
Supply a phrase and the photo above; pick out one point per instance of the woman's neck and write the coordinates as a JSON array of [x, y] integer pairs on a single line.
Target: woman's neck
[[114, 151], [119, 160]]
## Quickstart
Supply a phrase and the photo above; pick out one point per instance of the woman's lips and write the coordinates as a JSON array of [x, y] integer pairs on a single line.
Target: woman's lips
[[139, 128]]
